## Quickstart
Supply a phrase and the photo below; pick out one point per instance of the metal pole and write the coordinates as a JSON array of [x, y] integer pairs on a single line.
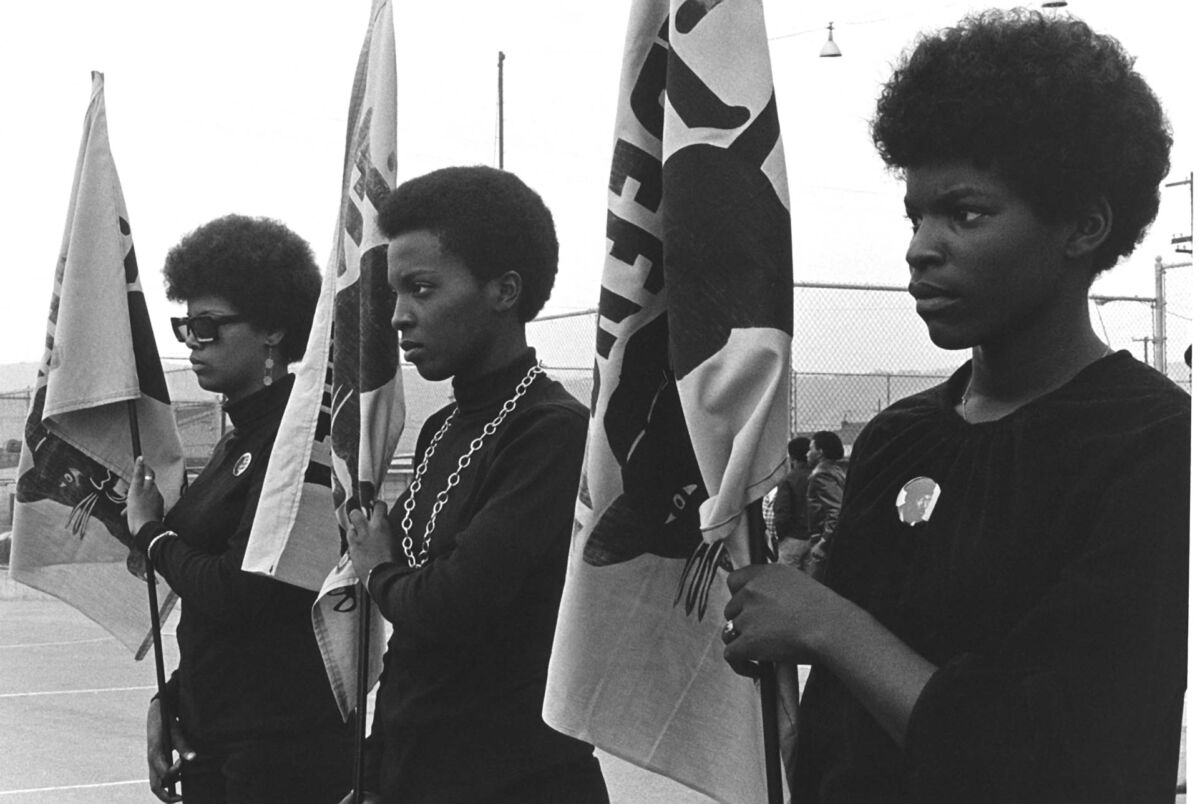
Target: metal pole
[[1160, 315], [364, 655], [768, 688], [160, 672], [500, 102]]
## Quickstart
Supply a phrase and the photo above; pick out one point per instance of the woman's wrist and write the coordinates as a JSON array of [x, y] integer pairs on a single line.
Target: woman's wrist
[[381, 566], [144, 535]]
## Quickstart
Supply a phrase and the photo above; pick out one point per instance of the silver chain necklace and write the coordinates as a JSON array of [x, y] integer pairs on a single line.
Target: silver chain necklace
[[410, 504]]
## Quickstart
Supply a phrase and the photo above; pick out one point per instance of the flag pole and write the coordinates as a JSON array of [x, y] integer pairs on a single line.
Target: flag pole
[[768, 689], [155, 624], [364, 660]]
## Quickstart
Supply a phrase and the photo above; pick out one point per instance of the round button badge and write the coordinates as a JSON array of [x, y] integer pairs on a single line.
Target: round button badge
[[243, 463], [917, 499]]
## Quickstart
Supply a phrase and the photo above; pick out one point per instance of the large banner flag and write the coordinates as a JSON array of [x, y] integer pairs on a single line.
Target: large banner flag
[[689, 406], [69, 532], [346, 411]]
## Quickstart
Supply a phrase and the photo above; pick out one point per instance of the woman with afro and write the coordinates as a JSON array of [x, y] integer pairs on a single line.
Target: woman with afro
[[254, 717], [1006, 611]]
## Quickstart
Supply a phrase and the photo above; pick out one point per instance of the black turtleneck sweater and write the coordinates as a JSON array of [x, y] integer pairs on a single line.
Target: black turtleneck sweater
[[458, 714], [248, 661], [1048, 582]]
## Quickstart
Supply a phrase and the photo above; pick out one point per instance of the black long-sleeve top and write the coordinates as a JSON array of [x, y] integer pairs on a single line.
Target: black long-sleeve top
[[789, 504], [823, 498], [1049, 587], [458, 712], [248, 660]]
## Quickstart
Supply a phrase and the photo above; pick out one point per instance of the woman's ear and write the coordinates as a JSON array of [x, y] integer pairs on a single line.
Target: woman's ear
[[507, 291], [1092, 228], [274, 337]]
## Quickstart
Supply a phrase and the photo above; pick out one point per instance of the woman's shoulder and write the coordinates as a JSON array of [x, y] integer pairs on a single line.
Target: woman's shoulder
[[550, 400], [1116, 396]]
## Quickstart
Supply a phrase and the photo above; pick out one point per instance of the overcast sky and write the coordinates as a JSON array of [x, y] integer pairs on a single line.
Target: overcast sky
[[240, 106]]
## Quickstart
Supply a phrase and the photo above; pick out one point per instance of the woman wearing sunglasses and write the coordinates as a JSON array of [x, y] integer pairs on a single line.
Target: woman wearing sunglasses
[[255, 719]]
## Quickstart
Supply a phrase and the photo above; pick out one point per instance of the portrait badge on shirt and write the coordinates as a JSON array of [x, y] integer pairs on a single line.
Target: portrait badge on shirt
[[243, 463], [917, 499]]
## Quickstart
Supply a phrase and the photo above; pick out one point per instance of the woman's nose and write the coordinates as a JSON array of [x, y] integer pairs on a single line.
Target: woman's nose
[[925, 247]]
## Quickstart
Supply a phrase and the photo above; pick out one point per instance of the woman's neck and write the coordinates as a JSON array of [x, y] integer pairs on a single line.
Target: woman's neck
[[1011, 372]]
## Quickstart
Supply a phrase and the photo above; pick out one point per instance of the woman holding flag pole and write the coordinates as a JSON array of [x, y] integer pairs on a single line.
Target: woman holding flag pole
[[1006, 612], [469, 565], [254, 719]]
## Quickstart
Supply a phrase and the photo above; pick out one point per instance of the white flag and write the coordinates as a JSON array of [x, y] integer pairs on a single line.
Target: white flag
[[689, 418], [346, 411], [69, 533]]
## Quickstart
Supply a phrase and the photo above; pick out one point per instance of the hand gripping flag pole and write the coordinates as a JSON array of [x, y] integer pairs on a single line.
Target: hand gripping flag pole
[[100, 375], [768, 690], [160, 673], [364, 683], [343, 419]]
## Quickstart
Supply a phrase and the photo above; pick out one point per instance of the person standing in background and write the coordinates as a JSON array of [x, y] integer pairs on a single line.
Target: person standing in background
[[789, 506], [823, 498]]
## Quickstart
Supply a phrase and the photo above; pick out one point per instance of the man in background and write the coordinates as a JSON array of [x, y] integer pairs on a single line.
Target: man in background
[[790, 506], [826, 481]]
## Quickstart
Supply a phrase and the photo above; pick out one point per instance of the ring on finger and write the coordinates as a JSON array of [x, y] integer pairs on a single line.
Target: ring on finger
[[729, 632]]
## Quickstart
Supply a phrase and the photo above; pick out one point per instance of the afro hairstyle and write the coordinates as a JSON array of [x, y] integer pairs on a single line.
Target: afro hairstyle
[[489, 219], [829, 444], [1054, 107], [262, 268]]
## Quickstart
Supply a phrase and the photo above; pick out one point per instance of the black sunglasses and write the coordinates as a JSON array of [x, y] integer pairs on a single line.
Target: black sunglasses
[[201, 327]]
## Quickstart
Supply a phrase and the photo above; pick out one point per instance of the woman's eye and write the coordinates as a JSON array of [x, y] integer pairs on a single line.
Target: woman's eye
[[914, 221], [967, 215]]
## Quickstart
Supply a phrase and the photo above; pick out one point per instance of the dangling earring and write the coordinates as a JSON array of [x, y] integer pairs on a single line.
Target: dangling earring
[[269, 367]]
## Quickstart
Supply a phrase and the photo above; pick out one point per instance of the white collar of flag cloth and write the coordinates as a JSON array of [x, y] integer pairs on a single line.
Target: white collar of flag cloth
[[410, 503]]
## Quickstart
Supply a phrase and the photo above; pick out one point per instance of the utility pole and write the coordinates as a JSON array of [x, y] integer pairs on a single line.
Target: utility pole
[[1160, 315], [1145, 351], [500, 105], [1183, 243]]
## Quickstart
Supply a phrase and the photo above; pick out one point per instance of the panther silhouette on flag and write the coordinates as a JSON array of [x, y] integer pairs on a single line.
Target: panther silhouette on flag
[[720, 263]]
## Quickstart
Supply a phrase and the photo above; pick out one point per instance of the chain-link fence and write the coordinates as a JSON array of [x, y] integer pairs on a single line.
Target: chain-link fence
[[858, 348], [200, 420]]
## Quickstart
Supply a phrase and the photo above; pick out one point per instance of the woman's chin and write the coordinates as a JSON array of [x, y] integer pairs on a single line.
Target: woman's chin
[[209, 383]]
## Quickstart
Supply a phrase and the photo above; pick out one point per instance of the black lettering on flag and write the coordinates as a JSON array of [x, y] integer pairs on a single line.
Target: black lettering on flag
[[646, 97], [605, 341], [631, 162], [630, 241], [615, 308]]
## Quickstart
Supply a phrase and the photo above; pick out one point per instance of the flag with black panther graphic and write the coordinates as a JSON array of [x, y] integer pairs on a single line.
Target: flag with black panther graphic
[[69, 533], [346, 411], [689, 404]]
